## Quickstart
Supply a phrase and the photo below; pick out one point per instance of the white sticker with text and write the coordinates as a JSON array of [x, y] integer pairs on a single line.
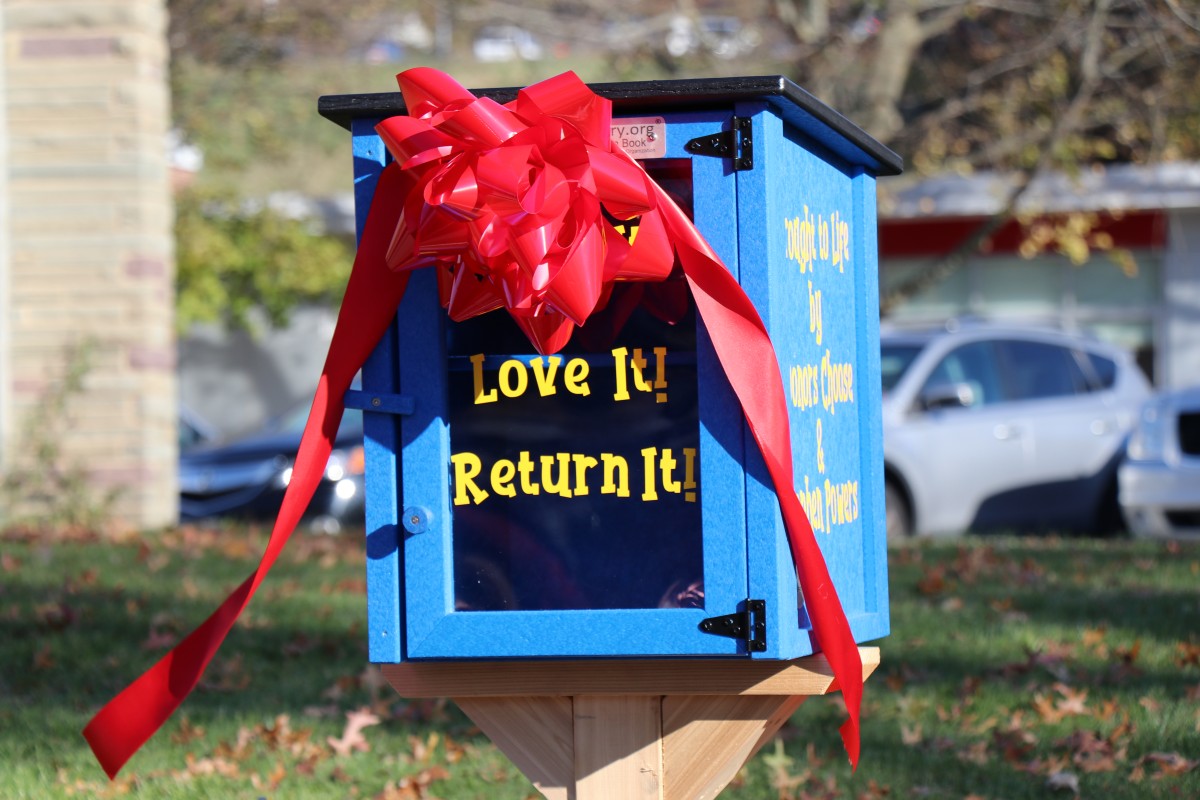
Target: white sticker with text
[[641, 137]]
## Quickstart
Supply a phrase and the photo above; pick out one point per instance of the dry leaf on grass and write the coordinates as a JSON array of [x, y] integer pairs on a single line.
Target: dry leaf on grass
[[1070, 703], [159, 639], [1167, 765], [187, 733], [413, 787], [1188, 654], [352, 738]]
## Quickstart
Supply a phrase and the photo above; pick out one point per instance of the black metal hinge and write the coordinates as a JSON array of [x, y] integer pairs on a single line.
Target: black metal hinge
[[735, 143], [750, 625]]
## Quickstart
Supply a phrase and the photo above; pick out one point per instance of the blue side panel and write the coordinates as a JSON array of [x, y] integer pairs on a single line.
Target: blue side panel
[[804, 217], [384, 621], [875, 621]]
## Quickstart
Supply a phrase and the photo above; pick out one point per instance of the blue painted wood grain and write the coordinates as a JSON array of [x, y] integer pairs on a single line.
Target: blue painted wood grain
[[805, 181], [380, 443]]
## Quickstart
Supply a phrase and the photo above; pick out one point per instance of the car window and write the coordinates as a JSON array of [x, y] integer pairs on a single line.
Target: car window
[[973, 364], [295, 420], [1038, 370], [895, 360], [1104, 368]]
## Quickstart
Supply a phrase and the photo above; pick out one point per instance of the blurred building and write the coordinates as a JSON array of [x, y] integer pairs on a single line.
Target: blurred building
[[1111, 252], [86, 253], [1139, 287]]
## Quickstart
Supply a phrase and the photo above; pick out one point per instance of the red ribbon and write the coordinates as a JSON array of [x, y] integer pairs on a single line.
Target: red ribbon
[[508, 203]]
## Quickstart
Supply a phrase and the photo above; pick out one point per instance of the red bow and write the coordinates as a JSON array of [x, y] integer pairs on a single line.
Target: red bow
[[509, 203]]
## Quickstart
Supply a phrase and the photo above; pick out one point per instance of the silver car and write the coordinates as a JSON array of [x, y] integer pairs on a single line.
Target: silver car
[[1160, 478], [1017, 429]]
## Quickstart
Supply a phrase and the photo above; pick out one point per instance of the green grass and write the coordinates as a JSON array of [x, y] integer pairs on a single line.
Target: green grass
[[1010, 660]]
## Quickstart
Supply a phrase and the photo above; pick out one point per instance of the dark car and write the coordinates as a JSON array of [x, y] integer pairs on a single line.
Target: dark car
[[246, 478]]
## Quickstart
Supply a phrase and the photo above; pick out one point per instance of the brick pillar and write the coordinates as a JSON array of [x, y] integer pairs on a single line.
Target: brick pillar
[[5, 248], [90, 249]]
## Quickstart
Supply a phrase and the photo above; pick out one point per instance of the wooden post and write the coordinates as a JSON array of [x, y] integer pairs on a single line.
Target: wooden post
[[636, 730]]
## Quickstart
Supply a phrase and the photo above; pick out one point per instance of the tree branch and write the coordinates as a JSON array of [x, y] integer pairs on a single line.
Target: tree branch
[[1064, 124]]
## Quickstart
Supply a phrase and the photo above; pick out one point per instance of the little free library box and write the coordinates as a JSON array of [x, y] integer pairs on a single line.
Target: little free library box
[[608, 500]]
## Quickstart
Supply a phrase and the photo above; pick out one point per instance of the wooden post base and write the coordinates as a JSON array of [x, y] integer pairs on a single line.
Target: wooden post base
[[643, 730]]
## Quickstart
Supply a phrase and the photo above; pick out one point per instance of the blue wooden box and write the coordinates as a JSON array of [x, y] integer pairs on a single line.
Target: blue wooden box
[[609, 501]]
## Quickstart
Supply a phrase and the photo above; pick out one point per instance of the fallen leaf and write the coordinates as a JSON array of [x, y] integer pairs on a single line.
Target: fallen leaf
[[781, 766], [44, 658], [208, 766], [1093, 637], [55, 616], [159, 639], [874, 791], [1073, 703], [226, 675], [1107, 710], [187, 733], [421, 751], [1091, 753], [1129, 656], [1188, 654], [1070, 703], [952, 604], [1052, 659], [271, 781], [1015, 745], [1151, 705], [352, 738], [933, 581], [300, 644], [974, 753], [413, 787], [1169, 764]]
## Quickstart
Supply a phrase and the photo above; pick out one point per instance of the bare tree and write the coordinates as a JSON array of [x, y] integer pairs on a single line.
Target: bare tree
[[1013, 85]]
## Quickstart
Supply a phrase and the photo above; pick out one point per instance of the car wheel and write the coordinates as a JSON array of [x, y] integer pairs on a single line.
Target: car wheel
[[898, 515], [1108, 520]]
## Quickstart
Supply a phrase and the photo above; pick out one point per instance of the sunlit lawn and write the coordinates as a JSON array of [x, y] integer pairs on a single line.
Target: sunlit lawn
[[1016, 668]]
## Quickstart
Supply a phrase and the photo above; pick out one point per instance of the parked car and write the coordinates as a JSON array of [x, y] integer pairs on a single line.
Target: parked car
[[193, 429], [246, 478], [1160, 478], [499, 43], [722, 36], [988, 427]]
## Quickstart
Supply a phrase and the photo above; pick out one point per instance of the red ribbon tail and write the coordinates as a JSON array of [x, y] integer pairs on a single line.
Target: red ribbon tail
[[744, 348], [373, 292]]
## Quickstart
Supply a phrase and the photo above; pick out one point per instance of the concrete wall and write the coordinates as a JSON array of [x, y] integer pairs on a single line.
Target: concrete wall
[[89, 246]]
